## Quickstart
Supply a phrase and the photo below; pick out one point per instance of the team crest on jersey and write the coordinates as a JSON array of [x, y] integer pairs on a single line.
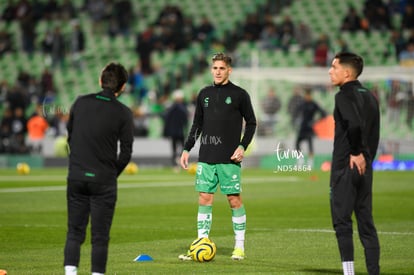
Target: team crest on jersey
[[228, 100], [206, 101]]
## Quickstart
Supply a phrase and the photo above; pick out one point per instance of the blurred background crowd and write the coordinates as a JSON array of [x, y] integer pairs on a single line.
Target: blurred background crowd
[[52, 50]]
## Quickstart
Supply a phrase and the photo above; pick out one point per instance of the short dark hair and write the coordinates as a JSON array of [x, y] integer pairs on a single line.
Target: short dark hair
[[113, 77], [351, 59], [222, 57]]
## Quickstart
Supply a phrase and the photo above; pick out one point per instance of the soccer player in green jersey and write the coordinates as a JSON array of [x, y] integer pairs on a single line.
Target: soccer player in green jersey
[[220, 111]]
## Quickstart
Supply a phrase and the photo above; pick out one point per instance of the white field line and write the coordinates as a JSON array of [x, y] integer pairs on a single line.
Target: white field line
[[332, 231], [292, 230], [140, 184], [46, 178]]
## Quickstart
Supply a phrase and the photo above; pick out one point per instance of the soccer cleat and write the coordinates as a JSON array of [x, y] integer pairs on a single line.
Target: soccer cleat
[[238, 254], [185, 257]]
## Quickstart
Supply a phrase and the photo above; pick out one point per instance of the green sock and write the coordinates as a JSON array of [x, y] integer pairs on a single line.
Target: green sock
[[204, 219]]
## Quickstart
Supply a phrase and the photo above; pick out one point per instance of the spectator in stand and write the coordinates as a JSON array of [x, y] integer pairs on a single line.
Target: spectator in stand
[[124, 16], [5, 42], [22, 9], [51, 10], [47, 44], [4, 90], [36, 128], [188, 30], [5, 130], [137, 84], [18, 132], [68, 10], [9, 12], [410, 108], [303, 36], [396, 45], [287, 33], [17, 98], [47, 86], [171, 22], [205, 30], [321, 51], [381, 21], [27, 26], [394, 103], [269, 37], [377, 15], [271, 105], [175, 126], [97, 12], [76, 45], [141, 122], [146, 43], [293, 105], [341, 45], [252, 28], [407, 56], [407, 21], [170, 12], [58, 122], [351, 21], [410, 38], [58, 48]]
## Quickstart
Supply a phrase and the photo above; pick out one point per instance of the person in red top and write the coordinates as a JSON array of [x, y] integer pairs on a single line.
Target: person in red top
[[37, 126]]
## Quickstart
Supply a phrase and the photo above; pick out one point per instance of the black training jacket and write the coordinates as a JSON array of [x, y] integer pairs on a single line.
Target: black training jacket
[[218, 122], [357, 124], [97, 122]]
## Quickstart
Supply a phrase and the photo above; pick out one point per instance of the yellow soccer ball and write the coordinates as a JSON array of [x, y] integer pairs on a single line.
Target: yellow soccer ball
[[192, 168], [23, 168], [203, 250], [131, 168]]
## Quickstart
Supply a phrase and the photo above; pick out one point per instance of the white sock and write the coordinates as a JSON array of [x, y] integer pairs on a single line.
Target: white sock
[[97, 273], [71, 270], [204, 220], [348, 268], [239, 226]]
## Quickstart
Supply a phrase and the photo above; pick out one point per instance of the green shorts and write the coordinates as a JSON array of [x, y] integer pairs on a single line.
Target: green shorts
[[208, 176]]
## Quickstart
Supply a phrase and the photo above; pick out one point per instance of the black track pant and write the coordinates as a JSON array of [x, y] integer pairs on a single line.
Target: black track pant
[[86, 199], [350, 193]]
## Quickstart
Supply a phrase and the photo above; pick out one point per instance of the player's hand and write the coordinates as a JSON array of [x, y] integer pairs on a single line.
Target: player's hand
[[358, 162], [238, 154], [184, 159]]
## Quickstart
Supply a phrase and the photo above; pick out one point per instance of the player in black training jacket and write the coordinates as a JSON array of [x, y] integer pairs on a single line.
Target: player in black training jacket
[[218, 123], [357, 128], [97, 122]]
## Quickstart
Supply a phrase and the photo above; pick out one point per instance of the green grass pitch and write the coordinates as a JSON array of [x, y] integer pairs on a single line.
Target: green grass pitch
[[288, 224]]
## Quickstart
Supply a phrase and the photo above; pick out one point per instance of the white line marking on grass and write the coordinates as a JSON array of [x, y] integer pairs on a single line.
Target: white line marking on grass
[[141, 184], [332, 231], [46, 178]]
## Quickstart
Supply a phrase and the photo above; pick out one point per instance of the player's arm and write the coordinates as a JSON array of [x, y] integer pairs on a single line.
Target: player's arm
[[69, 125], [193, 135], [126, 139], [352, 118], [250, 119]]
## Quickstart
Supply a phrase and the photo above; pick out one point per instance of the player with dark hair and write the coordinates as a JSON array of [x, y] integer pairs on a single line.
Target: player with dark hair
[[97, 122], [357, 127], [218, 122]]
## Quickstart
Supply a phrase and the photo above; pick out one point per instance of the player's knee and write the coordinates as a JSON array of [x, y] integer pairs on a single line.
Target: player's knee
[[100, 238]]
